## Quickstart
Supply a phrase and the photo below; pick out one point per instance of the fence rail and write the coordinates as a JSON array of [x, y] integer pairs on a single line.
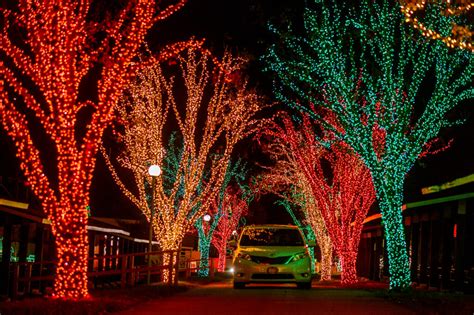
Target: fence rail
[[127, 269]]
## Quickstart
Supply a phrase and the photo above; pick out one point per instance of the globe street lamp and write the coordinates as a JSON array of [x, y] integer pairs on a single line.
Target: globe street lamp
[[154, 171], [207, 217]]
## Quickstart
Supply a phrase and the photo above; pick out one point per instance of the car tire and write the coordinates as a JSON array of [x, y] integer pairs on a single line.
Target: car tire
[[303, 285], [239, 285]]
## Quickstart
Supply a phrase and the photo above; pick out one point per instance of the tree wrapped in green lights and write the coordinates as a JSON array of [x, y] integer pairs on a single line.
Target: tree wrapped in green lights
[[367, 67], [217, 213]]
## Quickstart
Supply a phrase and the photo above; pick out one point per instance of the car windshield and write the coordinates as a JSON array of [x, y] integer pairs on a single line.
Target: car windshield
[[271, 237]]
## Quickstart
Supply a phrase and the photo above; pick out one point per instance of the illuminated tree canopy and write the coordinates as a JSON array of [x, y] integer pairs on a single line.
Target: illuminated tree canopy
[[369, 69], [48, 51], [442, 20], [211, 112], [286, 179], [335, 180]]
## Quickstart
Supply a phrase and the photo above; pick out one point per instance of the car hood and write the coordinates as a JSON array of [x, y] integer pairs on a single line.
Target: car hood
[[272, 251]]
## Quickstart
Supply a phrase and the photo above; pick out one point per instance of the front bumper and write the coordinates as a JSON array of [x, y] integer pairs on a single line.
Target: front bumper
[[250, 272]]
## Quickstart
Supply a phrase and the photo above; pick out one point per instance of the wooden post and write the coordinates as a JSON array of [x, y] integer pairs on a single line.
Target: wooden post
[[429, 253], [100, 265], [16, 276], [188, 269], [39, 242], [459, 263], [5, 262], [123, 275], [211, 267], [176, 268], [108, 251], [132, 270], [29, 268], [24, 239], [114, 253]]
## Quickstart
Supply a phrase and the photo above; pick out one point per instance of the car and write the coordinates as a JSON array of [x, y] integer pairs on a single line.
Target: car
[[272, 254]]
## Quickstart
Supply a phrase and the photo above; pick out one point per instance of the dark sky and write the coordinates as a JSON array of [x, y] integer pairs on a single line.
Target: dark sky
[[241, 26]]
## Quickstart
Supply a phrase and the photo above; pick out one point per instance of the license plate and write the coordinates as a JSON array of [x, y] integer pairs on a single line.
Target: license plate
[[272, 270]]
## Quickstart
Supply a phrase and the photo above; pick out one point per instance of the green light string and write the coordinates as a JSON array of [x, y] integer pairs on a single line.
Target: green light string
[[235, 172], [373, 71]]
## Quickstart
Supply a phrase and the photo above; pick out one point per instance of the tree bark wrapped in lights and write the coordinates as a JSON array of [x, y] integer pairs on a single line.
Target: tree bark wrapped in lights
[[193, 177], [220, 213], [368, 54], [42, 72], [234, 208], [286, 179], [341, 198]]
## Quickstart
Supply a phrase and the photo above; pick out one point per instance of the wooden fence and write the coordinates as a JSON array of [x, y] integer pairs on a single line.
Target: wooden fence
[[121, 270]]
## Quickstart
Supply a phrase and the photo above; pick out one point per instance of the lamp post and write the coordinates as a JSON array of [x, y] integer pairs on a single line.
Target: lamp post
[[154, 171]]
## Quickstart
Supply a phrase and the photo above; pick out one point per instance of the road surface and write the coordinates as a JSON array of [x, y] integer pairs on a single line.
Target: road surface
[[221, 298]]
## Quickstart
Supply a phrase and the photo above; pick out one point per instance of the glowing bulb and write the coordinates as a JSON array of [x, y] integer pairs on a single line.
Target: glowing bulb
[[154, 170]]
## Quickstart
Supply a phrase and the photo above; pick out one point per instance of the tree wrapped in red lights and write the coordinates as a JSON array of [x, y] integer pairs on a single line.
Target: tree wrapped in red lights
[[286, 179], [49, 50], [234, 208], [342, 191], [211, 114]]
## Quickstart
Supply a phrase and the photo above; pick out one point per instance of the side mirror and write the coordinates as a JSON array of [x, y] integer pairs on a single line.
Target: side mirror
[[232, 244], [311, 243]]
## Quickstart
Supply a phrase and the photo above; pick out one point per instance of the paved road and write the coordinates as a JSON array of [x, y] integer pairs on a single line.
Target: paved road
[[221, 298]]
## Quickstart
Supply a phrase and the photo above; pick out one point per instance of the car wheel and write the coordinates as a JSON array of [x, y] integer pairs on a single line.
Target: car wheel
[[303, 285], [239, 285]]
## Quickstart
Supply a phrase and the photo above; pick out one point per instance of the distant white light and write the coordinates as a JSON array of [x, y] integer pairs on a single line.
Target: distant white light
[[154, 170], [231, 270], [207, 217]]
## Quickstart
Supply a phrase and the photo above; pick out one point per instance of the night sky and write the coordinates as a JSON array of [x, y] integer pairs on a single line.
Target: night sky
[[241, 26]]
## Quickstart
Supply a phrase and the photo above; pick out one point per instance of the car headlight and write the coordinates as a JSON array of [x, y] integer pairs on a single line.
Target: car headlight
[[244, 256], [298, 256]]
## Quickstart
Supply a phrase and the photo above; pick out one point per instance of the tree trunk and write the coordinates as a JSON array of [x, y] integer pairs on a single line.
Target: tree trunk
[[222, 258], [170, 256], [71, 242], [204, 245], [326, 261], [348, 264], [390, 198]]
